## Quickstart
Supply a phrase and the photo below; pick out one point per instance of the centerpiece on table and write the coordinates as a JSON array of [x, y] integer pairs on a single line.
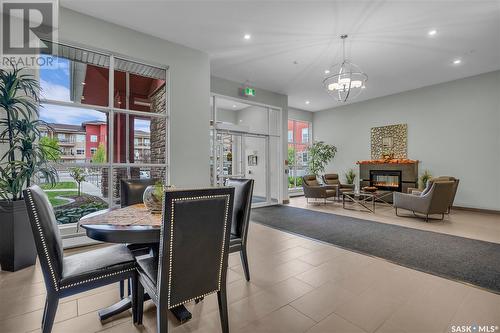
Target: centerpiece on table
[[153, 197]]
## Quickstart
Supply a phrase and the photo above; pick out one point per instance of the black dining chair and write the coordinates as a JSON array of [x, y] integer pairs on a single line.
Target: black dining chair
[[193, 255], [243, 191], [131, 192], [66, 276]]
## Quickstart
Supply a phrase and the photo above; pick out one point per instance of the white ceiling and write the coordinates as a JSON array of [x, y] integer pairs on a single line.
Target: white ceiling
[[388, 40]]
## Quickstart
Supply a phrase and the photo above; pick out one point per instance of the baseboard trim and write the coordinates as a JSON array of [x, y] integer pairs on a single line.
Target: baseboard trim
[[477, 210]]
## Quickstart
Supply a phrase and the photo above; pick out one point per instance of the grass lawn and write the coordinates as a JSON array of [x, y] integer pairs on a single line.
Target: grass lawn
[[57, 202], [59, 186]]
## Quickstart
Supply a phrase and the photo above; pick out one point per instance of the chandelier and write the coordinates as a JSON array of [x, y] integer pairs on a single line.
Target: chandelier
[[345, 80]]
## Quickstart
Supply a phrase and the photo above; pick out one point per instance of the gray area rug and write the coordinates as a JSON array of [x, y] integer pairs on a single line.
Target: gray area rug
[[468, 260]]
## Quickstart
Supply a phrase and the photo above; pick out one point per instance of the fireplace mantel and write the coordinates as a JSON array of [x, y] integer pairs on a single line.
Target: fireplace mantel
[[389, 161]]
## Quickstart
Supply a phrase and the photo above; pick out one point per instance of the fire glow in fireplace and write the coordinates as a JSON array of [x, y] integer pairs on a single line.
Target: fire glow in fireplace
[[389, 180]]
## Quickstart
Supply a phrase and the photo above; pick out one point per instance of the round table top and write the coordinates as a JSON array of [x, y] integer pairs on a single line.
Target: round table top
[[121, 233]]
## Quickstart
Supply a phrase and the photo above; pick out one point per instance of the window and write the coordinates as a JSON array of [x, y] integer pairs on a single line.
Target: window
[[100, 118], [298, 146], [146, 142], [305, 134]]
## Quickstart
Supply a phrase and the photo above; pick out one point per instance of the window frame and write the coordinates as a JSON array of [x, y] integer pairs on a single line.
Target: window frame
[[110, 111]]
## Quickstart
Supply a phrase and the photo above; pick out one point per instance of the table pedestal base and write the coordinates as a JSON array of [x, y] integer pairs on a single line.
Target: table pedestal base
[[180, 312]]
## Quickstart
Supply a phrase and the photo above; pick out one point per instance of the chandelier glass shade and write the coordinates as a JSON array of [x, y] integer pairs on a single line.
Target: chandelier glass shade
[[345, 80]]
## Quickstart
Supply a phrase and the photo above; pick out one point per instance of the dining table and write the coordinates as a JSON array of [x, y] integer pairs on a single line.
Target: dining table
[[133, 224]]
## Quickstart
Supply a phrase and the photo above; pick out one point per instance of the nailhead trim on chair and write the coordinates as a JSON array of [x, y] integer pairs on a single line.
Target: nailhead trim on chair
[[42, 238], [227, 196], [97, 278]]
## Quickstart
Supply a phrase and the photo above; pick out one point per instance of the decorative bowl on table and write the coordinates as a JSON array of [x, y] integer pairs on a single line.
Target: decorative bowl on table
[[369, 189], [153, 198]]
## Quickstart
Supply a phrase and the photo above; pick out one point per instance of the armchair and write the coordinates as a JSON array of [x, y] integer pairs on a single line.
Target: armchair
[[434, 201], [431, 181], [313, 189], [332, 179]]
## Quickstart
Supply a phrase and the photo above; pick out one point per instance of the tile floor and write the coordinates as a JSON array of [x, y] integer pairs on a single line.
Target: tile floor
[[298, 285]]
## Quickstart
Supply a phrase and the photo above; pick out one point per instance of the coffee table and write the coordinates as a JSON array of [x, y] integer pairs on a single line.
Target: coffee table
[[365, 200]]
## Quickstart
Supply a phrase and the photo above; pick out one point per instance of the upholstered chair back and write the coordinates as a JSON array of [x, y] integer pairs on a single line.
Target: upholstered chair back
[[194, 244], [331, 179], [46, 234], [431, 181], [310, 180], [243, 191], [131, 190], [440, 193]]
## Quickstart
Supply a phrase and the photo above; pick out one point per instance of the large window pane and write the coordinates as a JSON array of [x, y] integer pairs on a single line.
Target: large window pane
[[299, 138], [146, 139], [301, 130], [76, 76], [72, 200], [80, 134], [139, 87]]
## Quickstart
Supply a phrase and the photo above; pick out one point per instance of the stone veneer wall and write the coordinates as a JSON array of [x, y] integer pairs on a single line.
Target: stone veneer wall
[[158, 133]]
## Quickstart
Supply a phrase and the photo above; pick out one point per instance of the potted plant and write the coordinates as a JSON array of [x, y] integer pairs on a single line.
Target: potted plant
[[424, 178], [320, 153], [24, 160], [350, 176]]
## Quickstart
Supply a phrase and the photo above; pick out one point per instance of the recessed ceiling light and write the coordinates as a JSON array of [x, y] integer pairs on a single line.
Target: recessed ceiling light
[[432, 32], [307, 102], [457, 61], [234, 106], [327, 71], [247, 36]]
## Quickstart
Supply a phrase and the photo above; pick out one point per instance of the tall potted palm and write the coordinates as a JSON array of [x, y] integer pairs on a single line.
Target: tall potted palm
[[25, 159]]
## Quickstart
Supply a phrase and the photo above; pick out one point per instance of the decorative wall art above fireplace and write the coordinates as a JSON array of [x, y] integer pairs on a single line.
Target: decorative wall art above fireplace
[[389, 141]]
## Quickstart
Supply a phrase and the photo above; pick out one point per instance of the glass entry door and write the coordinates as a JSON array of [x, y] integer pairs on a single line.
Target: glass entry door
[[243, 155], [246, 143]]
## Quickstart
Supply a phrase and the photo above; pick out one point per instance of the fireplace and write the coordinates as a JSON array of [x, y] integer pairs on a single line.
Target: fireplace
[[393, 175], [388, 180]]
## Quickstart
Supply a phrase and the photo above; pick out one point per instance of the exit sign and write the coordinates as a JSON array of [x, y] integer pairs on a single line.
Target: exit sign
[[247, 91]]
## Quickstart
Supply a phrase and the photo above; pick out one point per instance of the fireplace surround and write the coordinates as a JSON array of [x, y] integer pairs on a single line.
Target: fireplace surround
[[391, 175]]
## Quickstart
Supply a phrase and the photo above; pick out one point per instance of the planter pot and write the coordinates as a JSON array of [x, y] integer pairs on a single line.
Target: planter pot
[[17, 246]]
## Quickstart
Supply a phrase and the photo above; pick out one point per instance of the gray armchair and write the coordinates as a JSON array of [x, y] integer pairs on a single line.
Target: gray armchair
[[434, 201], [313, 189], [431, 181], [332, 179]]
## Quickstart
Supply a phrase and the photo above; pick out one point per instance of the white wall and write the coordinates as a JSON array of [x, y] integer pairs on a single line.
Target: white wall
[[230, 88], [227, 116], [189, 87], [297, 114], [453, 129]]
